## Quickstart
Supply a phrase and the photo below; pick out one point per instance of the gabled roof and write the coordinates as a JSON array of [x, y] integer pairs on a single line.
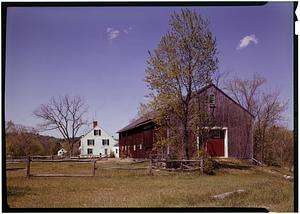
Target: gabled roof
[[213, 85], [147, 118], [96, 127]]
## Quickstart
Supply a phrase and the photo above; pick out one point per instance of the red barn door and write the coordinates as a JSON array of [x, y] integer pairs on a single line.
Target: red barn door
[[215, 144]]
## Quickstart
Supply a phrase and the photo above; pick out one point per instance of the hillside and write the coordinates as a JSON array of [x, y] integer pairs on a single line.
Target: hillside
[[21, 141]]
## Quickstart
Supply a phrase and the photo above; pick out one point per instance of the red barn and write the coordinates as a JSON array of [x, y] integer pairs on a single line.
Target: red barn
[[231, 136]]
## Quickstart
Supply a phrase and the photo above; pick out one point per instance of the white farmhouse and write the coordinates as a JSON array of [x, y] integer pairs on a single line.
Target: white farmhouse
[[61, 152], [98, 143]]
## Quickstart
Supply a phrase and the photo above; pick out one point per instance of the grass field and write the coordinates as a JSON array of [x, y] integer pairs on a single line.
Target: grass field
[[138, 189]]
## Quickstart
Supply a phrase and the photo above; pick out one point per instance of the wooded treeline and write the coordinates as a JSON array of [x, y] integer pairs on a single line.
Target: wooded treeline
[[23, 141]]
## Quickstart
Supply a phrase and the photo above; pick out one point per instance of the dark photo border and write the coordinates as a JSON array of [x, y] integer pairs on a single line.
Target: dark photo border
[[6, 5]]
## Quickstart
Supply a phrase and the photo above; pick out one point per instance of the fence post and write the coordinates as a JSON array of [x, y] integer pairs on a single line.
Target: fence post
[[94, 167], [201, 165], [150, 166], [181, 165], [28, 167]]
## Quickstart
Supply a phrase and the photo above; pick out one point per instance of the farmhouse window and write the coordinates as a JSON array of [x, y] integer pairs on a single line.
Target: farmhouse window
[[90, 142], [116, 151], [212, 101], [97, 132], [105, 151], [105, 142], [90, 151]]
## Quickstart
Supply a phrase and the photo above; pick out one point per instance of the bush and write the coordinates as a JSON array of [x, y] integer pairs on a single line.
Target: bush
[[209, 165], [112, 154]]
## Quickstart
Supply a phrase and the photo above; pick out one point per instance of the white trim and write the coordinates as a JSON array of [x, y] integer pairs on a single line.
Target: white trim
[[168, 146], [225, 142]]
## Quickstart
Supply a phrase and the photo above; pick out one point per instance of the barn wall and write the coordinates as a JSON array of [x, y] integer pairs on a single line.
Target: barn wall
[[239, 122], [142, 135], [226, 113]]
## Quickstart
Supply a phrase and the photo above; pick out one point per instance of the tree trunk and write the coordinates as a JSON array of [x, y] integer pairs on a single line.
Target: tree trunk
[[186, 140], [71, 148]]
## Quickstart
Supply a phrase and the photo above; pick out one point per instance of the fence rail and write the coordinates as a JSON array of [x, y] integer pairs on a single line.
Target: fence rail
[[95, 165]]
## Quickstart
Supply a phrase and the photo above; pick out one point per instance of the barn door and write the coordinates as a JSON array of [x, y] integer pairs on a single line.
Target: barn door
[[215, 143]]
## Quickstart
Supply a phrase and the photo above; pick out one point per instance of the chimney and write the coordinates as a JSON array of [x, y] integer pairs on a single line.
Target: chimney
[[94, 124]]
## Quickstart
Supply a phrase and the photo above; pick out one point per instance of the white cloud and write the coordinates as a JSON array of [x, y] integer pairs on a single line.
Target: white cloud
[[127, 30], [112, 33], [109, 29], [244, 42]]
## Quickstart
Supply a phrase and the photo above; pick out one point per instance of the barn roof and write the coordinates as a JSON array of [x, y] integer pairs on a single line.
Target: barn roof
[[148, 117], [210, 85]]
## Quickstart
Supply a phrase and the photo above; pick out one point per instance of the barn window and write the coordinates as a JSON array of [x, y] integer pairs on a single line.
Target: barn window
[[90, 151], [134, 147], [215, 134], [90, 142], [212, 101], [97, 132], [140, 146]]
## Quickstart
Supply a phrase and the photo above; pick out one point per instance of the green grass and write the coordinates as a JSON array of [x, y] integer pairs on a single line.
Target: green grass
[[138, 189]]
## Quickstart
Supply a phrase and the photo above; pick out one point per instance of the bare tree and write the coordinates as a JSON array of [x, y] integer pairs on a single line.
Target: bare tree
[[65, 114], [246, 92], [219, 78], [266, 108], [269, 114]]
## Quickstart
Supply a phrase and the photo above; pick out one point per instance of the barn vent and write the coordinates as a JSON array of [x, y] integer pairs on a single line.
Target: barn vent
[[212, 101]]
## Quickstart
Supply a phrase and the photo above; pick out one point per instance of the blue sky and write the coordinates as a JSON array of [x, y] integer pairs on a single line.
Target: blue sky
[[100, 53]]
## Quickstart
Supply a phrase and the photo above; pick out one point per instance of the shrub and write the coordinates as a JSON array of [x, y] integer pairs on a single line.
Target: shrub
[[112, 154], [209, 165]]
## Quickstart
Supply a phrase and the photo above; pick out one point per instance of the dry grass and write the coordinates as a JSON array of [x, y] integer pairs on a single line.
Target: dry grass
[[138, 189]]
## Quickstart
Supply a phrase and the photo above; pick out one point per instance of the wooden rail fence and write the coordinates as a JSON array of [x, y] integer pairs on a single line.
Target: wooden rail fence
[[95, 165]]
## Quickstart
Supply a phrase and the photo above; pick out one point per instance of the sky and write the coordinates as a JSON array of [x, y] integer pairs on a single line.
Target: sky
[[100, 54]]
